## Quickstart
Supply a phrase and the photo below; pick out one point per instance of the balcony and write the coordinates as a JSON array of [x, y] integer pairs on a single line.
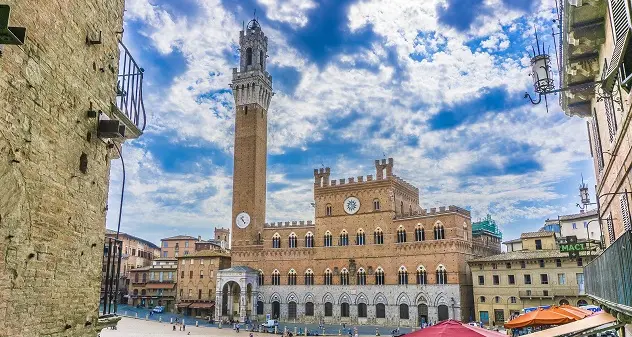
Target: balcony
[[129, 108], [609, 276], [552, 293]]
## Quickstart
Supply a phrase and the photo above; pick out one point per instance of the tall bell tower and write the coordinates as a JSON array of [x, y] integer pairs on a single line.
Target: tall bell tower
[[252, 89]]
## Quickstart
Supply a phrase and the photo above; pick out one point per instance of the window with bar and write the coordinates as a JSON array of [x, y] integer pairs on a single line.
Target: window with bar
[[625, 211]]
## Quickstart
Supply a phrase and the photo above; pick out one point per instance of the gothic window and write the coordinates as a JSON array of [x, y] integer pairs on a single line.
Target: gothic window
[[309, 240], [344, 309], [420, 234], [276, 278], [292, 241], [402, 276], [259, 307], [261, 278], [328, 210], [422, 277], [328, 277], [401, 234], [378, 236], [328, 309], [376, 204], [344, 238], [327, 240], [442, 275], [379, 276], [360, 237], [309, 277], [248, 56], [361, 277], [291, 277], [380, 310], [344, 277], [261, 58], [403, 311], [309, 309], [439, 232], [362, 310], [276, 240]]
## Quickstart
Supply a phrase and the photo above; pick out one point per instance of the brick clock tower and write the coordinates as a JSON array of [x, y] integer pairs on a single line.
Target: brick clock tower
[[252, 89]]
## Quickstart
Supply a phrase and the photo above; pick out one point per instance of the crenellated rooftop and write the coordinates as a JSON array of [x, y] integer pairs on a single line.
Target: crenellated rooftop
[[293, 224], [435, 211]]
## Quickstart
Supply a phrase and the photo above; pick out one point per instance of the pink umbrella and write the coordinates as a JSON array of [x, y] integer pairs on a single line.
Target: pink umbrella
[[451, 328]]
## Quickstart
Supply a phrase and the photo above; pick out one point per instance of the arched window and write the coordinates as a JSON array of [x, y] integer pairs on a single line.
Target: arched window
[[328, 309], [143, 292], [581, 303], [465, 232], [361, 277], [309, 309], [513, 299], [362, 310], [309, 240], [343, 240], [328, 277], [376, 204], [378, 236], [259, 307], [344, 277], [136, 292], [261, 278], [482, 299], [497, 299], [276, 240], [328, 210], [420, 234], [403, 311], [276, 278], [292, 240], [402, 276], [327, 240], [422, 278], [248, 56], [380, 310], [564, 302], [344, 309], [291, 277], [379, 276], [439, 232], [261, 58], [401, 208], [360, 237], [309, 277], [401, 234], [442, 275]]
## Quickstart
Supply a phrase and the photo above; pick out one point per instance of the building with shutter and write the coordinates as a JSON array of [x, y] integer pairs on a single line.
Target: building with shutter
[[596, 72], [373, 254]]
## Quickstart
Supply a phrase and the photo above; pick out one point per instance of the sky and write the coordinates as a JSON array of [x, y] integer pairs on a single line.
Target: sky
[[437, 85]]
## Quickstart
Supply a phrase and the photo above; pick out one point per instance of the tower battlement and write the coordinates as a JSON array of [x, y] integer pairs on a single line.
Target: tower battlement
[[308, 223], [435, 211]]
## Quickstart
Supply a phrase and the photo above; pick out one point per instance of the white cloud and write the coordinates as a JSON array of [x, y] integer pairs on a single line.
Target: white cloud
[[293, 12]]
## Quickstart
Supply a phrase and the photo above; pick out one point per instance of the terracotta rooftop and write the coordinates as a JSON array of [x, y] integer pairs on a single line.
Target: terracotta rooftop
[[206, 253], [526, 255], [148, 243], [588, 214], [512, 241], [180, 237], [536, 234]]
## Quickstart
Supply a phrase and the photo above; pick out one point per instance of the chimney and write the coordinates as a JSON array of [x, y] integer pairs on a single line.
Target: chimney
[[199, 237]]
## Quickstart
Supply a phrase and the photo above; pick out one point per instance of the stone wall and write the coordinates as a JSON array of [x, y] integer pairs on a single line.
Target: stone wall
[[52, 209]]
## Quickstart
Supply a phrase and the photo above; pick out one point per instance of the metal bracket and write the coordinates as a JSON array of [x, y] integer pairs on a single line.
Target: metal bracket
[[91, 41], [10, 35]]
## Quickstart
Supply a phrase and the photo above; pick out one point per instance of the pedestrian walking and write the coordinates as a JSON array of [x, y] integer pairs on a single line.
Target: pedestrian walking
[[174, 327], [184, 327]]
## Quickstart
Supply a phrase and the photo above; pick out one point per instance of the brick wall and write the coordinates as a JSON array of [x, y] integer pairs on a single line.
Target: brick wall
[[52, 215]]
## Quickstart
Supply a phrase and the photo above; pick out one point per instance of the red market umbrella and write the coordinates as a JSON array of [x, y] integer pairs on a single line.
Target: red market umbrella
[[451, 328], [539, 317], [576, 313]]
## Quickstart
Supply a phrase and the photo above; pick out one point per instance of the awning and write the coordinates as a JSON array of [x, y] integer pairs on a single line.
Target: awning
[[585, 324], [160, 286], [610, 75], [183, 305], [204, 305]]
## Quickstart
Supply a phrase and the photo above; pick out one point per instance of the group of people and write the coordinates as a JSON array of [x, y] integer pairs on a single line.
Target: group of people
[[181, 325]]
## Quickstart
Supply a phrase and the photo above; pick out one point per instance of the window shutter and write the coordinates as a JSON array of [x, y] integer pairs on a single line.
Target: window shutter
[[625, 211], [610, 229], [597, 142], [612, 122], [620, 21]]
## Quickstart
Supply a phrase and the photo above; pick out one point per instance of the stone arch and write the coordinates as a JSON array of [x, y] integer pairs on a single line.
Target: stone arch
[[275, 297], [361, 298], [403, 299], [292, 297], [344, 298], [380, 298], [309, 297], [328, 297], [441, 299], [260, 297], [422, 298]]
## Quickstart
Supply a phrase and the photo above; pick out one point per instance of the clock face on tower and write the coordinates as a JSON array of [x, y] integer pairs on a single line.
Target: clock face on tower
[[242, 220], [351, 205]]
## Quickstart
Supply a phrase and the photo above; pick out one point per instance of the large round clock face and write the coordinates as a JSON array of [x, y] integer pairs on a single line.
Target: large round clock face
[[351, 205], [242, 220]]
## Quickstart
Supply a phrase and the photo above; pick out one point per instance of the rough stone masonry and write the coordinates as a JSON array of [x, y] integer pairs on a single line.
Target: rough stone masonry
[[52, 208]]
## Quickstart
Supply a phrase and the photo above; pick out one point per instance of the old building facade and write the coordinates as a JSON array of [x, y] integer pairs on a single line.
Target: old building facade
[[179, 245], [154, 285], [372, 256], [197, 272], [532, 273]]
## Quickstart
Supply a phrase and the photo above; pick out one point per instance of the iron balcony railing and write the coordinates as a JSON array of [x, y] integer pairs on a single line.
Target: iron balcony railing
[[609, 276], [129, 89], [112, 250]]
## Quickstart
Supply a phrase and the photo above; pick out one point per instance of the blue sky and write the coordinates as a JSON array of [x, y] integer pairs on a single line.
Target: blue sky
[[437, 85]]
